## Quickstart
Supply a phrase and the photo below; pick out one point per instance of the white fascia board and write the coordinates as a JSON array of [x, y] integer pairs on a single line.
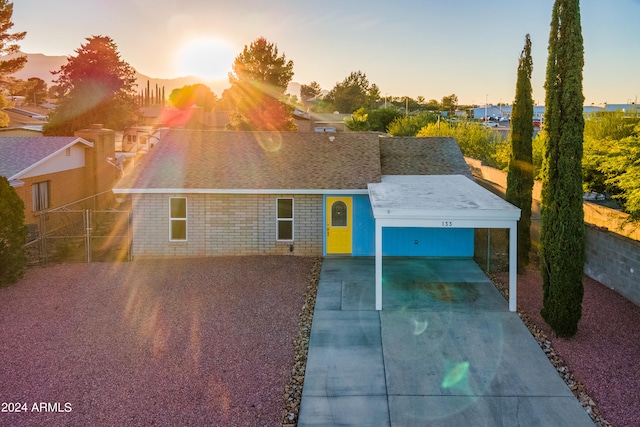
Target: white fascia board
[[234, 191], [510, 214], [55, 153], [445, 222]]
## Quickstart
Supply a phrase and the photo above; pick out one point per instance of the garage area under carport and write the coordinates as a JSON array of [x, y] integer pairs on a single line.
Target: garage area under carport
[[440, 201]]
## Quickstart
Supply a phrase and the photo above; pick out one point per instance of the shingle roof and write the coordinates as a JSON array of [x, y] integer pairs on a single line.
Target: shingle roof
[[20, 153], [225, 160], [421, 156]]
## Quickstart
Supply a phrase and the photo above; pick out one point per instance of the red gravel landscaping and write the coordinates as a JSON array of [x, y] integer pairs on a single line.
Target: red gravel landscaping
[[170, 342], [605, 353]]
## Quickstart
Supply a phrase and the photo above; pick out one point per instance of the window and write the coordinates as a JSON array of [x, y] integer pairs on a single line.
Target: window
[[178, 219], [284, 220], [40, 196], [339, 214]]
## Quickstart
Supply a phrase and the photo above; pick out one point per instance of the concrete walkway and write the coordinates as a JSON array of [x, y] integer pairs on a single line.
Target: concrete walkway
[[444, 351]]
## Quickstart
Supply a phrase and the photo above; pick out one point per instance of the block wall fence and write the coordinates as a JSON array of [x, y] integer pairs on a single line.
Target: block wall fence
[[612, 253]]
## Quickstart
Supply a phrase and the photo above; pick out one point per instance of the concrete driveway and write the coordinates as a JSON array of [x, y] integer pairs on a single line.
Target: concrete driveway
[[444, 351]]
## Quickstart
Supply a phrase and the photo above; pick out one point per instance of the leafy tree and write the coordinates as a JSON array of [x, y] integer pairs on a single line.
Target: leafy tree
[[34, 90], [353, 92], [411, 125], [520, 174], [621, 164], [475, 141], [190, 95], [611, 161], [377, 119], [449, 103], [432, 105], [359, 120], [562, 233], [8, 41], [97, 86], [4, 118], [8, 46], [603, 131], [381, 118], [310, 92], [258, 82], [13, 258]]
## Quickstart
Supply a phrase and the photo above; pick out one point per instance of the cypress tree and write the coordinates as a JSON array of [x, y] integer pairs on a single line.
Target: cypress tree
[[520, 175], [562, 234]]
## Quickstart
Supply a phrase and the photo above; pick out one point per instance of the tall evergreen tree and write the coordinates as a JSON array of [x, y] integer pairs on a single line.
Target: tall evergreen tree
[[8, 47], [97, 86], [258, 82], [562, 235], [520, 175]]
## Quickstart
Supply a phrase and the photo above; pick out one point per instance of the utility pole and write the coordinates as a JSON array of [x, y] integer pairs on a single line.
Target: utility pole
[[486, 105]]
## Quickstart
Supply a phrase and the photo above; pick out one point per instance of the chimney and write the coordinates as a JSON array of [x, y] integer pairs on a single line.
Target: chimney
[[100, 175]]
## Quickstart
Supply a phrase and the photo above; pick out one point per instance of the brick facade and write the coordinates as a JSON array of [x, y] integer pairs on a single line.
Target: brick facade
[[64, 187], [226, 224]]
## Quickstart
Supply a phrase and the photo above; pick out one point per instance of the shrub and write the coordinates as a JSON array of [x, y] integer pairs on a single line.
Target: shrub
[[13, 234]]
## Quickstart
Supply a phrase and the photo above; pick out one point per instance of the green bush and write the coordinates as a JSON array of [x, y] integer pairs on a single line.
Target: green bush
[[475, 141], [13, 234]]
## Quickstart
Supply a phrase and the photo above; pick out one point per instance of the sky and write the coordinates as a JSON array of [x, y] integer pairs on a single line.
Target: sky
[[413, 48]]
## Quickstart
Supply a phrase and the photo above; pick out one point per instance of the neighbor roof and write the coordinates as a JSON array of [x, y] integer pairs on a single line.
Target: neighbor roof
[[229, 161], [421, 156], [19, 154]]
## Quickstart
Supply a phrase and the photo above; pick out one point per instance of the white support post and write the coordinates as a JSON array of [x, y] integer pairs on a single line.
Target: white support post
[[378, 266], [513, 266]]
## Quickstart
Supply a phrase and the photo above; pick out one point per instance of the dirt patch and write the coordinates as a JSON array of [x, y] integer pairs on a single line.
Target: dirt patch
[[156, 342]]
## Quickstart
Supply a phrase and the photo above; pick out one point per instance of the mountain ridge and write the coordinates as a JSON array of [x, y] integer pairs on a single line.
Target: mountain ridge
[[41, 66]]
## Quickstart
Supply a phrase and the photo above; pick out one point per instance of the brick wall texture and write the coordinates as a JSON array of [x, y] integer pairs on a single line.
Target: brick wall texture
[[226, 224], [614, 261], [64, 187]]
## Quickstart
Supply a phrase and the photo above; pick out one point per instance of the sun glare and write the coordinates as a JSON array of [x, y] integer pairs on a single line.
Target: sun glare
[[208, 58]]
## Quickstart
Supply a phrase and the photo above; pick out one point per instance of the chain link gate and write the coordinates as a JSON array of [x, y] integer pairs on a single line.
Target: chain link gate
[[85, 235]]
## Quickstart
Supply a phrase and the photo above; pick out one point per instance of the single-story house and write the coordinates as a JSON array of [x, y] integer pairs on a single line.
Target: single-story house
[[49, 172], [209, 193]]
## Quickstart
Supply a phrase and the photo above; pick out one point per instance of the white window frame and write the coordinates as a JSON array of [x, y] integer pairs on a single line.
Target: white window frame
[[179, 219], [279, 220], [40, 196]]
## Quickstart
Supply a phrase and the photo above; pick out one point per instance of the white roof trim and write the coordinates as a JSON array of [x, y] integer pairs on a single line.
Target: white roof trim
[[234, 191], [43, 160]]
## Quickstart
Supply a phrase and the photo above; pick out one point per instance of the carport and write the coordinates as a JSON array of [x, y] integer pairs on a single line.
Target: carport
[[440, 201]]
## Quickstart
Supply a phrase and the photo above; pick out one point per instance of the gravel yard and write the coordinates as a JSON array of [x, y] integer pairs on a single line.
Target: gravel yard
[[603, 359], [222, 341], [155, 342]]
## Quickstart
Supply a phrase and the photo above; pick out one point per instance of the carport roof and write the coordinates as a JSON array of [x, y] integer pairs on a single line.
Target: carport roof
[[446, 197], [440, 201]]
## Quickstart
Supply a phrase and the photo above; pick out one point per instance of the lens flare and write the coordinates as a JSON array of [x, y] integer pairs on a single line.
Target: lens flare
[[455, 375]]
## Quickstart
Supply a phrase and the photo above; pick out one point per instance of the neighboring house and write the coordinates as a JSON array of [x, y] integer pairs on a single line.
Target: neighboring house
[[49, 172], [23, 123], [320, 122], [20, 131], [206, 193]]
